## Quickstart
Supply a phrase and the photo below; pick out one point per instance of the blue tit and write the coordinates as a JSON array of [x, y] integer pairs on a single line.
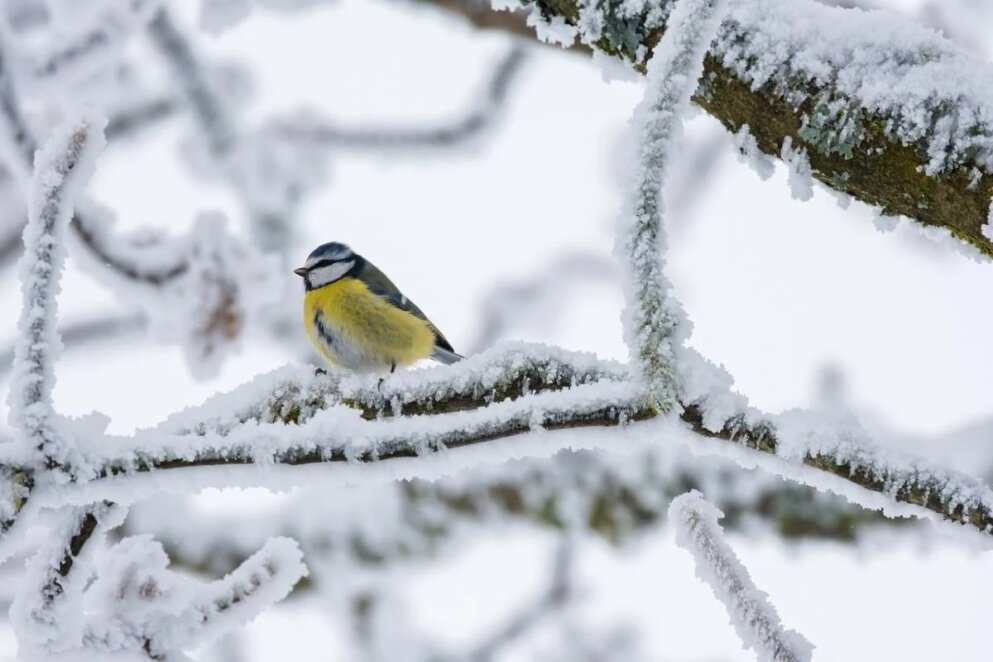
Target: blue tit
[[356, 317]]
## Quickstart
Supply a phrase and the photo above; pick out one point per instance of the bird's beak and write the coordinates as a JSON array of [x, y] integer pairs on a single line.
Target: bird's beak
[[302, 271]]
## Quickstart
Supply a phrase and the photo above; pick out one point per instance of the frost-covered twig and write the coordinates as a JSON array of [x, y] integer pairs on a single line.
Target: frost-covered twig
[[45, 613], [486, 110], [61, 168], [753, 617], [889, 113], [652, 317], [137, 604], [125, 599]]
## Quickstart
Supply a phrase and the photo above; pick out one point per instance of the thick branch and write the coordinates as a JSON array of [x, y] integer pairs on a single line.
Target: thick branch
[[922, 149]]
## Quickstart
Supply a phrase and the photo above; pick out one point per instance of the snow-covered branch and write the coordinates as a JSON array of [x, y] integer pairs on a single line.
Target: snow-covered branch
[[889, 113], [61, 168], [753, 617], [46, 613], [137, 604], [652, 317], [293, 417]]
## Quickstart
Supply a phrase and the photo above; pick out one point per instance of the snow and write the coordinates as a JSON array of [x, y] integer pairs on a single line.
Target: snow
[[798, 167], [926, 89], [62, 168], [802, 435], [652, 318], [46, 610], [987, 229], [752, 615], [750, 154], [553, 31]]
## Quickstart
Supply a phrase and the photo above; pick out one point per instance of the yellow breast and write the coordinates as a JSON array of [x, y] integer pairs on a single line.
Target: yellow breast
[[362, 331]]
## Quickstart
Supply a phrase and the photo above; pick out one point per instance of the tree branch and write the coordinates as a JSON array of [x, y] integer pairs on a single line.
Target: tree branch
[[497, 394], [753, 617], [922, 149], [61, 167], [326, 133]]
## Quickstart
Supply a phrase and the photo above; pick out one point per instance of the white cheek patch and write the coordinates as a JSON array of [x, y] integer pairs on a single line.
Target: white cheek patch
[[324, 275]]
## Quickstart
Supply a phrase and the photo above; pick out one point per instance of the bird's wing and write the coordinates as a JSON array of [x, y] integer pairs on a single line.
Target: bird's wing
[[378, 283]]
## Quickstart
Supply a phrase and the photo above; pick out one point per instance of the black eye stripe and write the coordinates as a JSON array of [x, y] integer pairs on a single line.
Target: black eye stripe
[[322, 263]]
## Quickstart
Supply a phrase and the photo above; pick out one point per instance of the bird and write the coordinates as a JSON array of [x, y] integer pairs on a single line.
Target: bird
[[356, 318]]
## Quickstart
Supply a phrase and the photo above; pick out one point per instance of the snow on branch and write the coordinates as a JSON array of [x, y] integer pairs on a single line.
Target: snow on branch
[[652, 317], [137, 604], [754, 618], [888, 112], [46, 612], [293, 417], [91, 599], [62, 167]]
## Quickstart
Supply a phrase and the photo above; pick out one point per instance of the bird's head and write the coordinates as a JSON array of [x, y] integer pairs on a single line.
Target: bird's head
[[326, 264]]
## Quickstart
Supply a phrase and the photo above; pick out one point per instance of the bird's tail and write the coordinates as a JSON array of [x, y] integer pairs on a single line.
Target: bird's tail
[[448, 357]]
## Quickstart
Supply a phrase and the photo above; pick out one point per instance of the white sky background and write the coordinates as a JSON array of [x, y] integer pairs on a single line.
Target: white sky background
[[776, 289]]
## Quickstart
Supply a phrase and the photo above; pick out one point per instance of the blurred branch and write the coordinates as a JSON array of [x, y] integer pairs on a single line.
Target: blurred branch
[[207, 109], [558, 594], [107, 328], [538, 297], [474, 122], [127, 121], [862, 153], [107, 250], [615, 498]]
